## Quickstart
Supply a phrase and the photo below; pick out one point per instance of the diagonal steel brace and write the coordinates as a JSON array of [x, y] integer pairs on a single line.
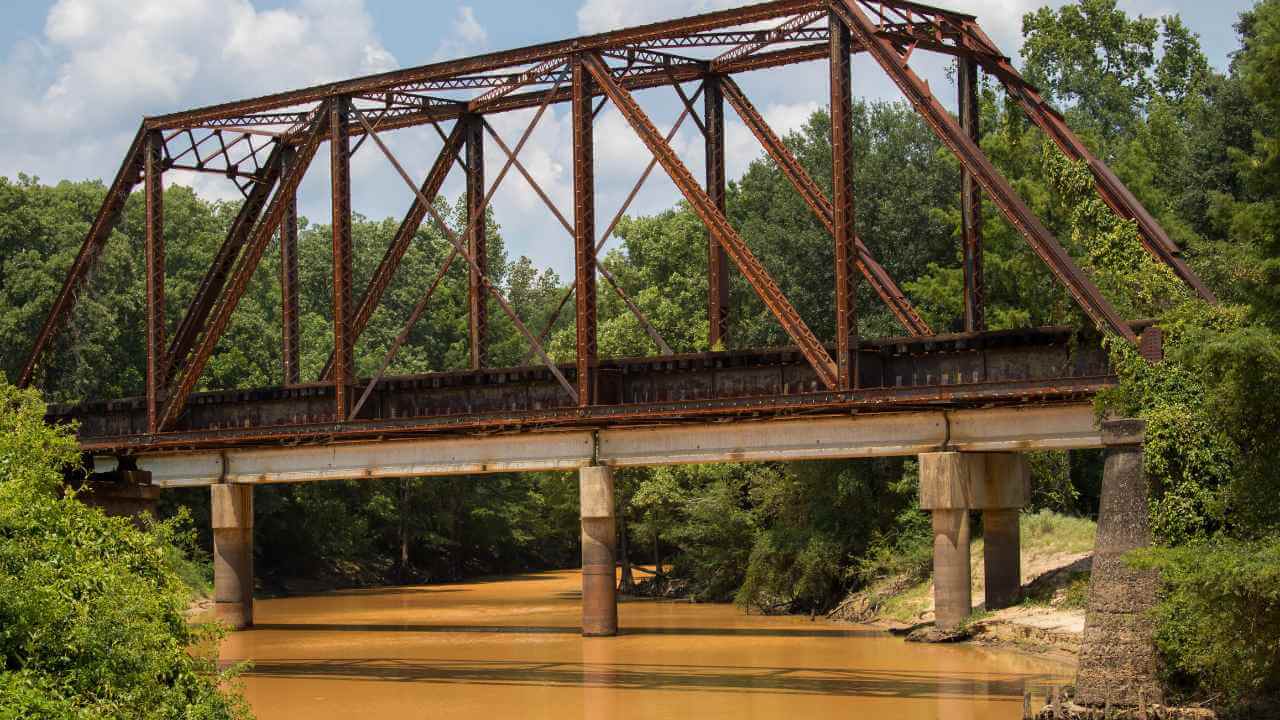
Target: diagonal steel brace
[[818, 203], [1086, 293], [717, 223]]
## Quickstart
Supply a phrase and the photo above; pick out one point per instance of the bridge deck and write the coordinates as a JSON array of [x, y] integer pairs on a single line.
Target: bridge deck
[[1014, 368]]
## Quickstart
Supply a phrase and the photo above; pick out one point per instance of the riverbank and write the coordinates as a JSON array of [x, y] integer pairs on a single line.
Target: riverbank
[[1056, 555]]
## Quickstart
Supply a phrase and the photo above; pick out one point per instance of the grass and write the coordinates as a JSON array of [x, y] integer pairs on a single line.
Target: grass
[[1045, 534]]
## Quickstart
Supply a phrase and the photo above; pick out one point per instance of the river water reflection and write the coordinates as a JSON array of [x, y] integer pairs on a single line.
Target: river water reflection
[[510, 647]]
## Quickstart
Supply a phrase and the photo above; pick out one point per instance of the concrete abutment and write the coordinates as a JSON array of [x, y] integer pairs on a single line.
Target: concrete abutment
[[1118, 665]]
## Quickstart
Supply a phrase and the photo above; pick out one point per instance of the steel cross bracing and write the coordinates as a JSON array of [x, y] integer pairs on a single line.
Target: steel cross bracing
[[265, 146]]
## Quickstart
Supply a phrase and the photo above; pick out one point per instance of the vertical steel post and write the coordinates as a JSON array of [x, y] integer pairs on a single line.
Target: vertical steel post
[[289, 283], [971, 200], [340, 175], [842, 204], [717, 260], [584, 225], [153, 171], [476, 245]]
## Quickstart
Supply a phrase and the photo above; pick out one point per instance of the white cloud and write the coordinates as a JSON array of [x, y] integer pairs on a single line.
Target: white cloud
[[77, 92], [604, 15], [468, 36], [468, 28]]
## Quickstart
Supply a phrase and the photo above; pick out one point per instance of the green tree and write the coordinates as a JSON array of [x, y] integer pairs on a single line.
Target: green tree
[[92, 613]]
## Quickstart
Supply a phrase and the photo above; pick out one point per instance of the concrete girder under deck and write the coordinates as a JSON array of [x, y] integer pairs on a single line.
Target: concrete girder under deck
[[1048, 427]]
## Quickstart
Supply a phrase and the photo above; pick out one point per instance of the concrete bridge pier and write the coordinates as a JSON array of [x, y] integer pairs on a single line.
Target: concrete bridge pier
[[599, 602], [1118, 664], [233, 554], [951, 485], [123, 493], [1000, 493]]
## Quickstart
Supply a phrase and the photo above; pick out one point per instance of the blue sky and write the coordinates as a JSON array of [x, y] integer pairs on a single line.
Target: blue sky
[[80, 73]]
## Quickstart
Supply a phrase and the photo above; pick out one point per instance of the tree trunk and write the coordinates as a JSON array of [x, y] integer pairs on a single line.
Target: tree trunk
[[627, 584], [404, 531], [657, 562]]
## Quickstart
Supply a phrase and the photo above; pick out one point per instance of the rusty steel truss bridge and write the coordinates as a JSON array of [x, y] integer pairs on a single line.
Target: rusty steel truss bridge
[[265, 146]]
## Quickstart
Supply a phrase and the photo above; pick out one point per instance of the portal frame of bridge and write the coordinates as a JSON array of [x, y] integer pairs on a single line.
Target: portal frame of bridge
[[265, 145]]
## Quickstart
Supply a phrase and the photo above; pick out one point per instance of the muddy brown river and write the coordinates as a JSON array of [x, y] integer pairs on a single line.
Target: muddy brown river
[[509, 647]]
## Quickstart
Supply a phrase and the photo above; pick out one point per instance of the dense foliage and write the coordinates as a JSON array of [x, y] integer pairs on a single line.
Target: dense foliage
[[1199, 147], [92, 620]]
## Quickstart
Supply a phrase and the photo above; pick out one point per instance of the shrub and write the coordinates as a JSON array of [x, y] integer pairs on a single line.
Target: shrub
[[92, 611], [1218, 620]]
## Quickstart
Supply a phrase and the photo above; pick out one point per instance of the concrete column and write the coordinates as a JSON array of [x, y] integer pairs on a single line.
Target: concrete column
[[1001, 558], [952, 582], [233, 554], [945, 490], [1002, 490], [1117, 655], [599, 603]]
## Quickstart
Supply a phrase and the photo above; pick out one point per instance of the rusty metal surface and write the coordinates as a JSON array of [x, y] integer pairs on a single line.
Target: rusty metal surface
[[477, 242], [107, 219], [153, 171], [409, 225], [1110, 188], [414, 78], [755, 273], [884, 285], [964, 370], [460, 246], [215, 278], [971, 201], [265, 145], [584, 235], [290, 333], [717, 260], [1051, 252], [340, 180], [843, 217], [247, 263]]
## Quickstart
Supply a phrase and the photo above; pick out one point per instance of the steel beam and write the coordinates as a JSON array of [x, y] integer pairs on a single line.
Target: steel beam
[[1059, 262], [718, 224], [340, 182], [405, 80], [106, 220], [475, 215], [604, 239], [461, 248], [647, 326], [215, 278], [153, 171], [477, 242], [584, 240], [717, 260], [1057, 427], [1114, 192], [782, 33], [971, 200], [883, 283], [245, 267], [409, 226], [290, 334], [843, 225]]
